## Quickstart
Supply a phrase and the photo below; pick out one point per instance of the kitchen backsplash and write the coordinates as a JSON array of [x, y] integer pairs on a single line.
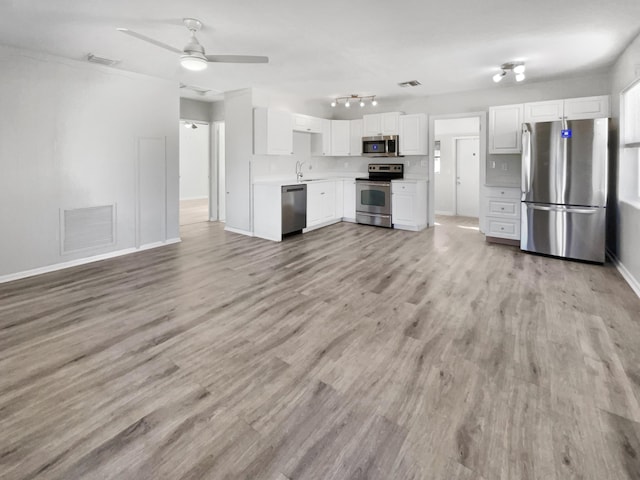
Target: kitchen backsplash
[[285, 165]]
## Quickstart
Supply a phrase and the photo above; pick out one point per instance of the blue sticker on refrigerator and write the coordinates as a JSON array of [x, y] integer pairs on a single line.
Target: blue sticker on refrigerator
[[566, 133]]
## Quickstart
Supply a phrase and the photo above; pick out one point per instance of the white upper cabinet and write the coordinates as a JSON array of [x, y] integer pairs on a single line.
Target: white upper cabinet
[[356, 137], [543, 111], [372, 125], [272, 132], [321, 143], [306, 123], [340, 137], [582, 108], [413, 134], [505, 129], [381, 124], [587, 107]]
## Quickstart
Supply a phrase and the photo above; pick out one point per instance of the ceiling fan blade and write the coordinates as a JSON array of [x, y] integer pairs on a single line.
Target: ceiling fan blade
[[157, 43], [237, 58]]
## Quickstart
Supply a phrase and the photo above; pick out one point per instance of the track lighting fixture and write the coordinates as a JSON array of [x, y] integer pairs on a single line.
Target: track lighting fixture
[[516, 67], [355, 98]]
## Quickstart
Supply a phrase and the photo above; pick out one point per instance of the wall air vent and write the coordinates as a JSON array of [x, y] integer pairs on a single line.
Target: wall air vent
[[199, 90], [86, 228], [102, 60], [410, 83]]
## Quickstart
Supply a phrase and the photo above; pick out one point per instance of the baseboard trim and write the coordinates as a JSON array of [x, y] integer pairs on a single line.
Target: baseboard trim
[[238, 230], [82, 261], [502, 241], [626, 274]]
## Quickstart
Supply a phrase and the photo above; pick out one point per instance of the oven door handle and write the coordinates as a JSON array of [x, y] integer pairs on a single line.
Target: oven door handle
[[373, 184]]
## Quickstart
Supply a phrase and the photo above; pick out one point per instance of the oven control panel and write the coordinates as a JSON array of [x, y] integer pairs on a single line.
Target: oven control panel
[[386, 167]]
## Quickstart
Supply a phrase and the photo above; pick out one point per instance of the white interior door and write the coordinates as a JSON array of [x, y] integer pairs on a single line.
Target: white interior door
[[468, 176]]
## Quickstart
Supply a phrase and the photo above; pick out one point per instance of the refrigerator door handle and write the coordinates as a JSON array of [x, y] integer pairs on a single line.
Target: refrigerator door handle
[[562, 208], [526, 160]]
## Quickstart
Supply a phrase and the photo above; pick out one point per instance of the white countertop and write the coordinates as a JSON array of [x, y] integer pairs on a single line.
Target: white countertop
[[280, 181]]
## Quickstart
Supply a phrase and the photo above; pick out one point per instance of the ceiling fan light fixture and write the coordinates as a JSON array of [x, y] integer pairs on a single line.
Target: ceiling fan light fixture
[[195, 63], [519, 77], [499, 76], [374, 102], [334, 103]]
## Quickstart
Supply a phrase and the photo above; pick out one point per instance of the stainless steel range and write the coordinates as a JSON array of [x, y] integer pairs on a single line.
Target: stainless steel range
[[373, 194]]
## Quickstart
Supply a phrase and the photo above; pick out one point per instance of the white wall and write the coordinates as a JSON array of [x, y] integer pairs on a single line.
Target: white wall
[[195, 110], [623, 217], [194, 162], [69, 138]]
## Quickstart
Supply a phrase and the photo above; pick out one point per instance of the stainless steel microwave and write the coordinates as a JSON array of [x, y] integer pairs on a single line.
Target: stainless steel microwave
[[381, 146]]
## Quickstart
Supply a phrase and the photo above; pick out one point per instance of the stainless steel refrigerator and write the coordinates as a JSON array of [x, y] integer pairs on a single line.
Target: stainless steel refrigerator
[[564, 188]]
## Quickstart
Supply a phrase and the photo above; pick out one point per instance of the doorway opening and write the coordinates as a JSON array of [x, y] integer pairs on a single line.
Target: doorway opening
[[195, 172], [456, 157]]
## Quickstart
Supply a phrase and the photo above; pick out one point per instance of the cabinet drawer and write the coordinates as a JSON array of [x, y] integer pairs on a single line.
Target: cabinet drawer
[[503, 208], [503, 228], [404, 187], [503, 192]]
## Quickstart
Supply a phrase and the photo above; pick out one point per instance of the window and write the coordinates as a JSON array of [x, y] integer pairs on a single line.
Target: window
[[629, 164]]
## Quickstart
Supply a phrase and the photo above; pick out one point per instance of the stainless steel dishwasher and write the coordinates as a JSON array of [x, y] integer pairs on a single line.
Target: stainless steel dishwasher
[[294, 208]]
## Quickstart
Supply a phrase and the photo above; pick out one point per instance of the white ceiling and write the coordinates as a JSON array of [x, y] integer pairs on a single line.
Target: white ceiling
[[323, 49]]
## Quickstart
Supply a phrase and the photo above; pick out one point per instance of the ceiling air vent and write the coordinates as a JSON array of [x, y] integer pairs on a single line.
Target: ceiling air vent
[[102, 60], [410, 83]]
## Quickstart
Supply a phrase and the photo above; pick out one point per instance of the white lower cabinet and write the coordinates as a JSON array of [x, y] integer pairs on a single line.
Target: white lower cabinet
[[267, 211], [321, 204], [502, 213], [409, 204]]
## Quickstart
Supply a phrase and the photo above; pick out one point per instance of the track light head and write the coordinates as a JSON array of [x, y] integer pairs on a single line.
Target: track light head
[[516, 67]]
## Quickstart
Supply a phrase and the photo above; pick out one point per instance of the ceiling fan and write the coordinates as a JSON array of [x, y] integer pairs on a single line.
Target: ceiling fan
[[192, 56]]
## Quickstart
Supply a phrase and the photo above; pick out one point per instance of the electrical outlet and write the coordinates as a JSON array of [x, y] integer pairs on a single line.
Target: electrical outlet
[[505, 166], [493, 164]]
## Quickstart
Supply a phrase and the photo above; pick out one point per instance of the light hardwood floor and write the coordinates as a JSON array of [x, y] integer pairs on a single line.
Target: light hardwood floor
[[350, 352], [194, 211]]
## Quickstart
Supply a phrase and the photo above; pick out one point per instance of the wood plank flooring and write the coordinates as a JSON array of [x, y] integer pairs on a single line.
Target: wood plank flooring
[[194, 211], [350, 352]]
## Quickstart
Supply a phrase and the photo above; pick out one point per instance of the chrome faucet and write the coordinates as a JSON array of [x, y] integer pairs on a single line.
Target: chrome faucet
[[299, 170]]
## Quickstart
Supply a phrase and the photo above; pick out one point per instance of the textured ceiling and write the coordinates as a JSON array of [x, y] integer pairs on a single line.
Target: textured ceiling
[[322, 49]]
